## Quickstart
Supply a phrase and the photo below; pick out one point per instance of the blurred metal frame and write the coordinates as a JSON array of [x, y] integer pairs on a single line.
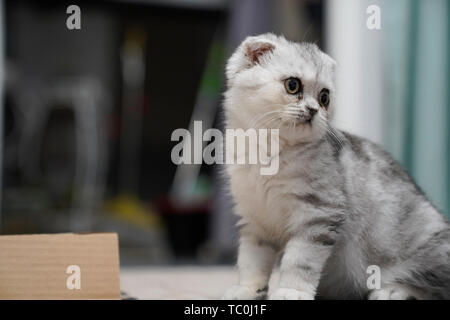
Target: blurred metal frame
[[86, 98]]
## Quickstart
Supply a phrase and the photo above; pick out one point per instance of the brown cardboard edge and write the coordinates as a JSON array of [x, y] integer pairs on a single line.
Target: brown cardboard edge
[[116, 236]]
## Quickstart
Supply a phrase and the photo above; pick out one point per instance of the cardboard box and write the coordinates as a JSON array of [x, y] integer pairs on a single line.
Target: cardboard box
[[59, 266]]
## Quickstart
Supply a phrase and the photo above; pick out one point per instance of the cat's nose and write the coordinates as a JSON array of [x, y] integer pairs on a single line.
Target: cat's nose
[[312, 111]]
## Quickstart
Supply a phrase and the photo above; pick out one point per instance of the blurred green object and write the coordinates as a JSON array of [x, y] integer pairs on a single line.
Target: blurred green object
[[417, 50], [212, 77]]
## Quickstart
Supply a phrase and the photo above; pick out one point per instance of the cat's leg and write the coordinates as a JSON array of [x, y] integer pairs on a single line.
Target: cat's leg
[[255, 264], [301, 266], [396, 291]]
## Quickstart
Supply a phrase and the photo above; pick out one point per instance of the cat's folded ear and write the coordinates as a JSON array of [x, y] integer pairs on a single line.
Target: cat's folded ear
[[254, 50], [249, 53]]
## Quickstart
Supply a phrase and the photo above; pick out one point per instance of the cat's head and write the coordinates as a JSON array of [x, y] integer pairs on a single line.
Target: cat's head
[[275, 83]]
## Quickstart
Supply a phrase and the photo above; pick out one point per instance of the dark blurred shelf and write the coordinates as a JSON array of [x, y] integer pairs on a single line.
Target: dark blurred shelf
[[188, 4]]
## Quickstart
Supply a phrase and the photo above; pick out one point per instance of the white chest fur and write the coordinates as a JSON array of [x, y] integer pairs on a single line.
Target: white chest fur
[[264, 202], [270, 202]]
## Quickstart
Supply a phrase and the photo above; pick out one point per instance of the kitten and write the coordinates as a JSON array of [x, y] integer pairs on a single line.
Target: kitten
[[338, 203]]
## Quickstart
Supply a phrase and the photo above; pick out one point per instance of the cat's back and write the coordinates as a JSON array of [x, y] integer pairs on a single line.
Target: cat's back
[[389, 216]]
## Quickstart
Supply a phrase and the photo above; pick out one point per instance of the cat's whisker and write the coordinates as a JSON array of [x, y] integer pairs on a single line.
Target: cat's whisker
[[265, 124], [262, 120], [258, 118], [330, 131], [333, 133], [306, 32], [271, 121]]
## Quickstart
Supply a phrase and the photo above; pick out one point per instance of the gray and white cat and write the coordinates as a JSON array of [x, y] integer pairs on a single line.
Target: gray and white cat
[[338, 203]]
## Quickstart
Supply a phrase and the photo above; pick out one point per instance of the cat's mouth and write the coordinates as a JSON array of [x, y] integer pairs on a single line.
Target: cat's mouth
[[304, 119], [299, 116], [298, 122]]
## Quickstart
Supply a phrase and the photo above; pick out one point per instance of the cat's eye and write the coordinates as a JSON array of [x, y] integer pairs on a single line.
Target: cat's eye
[[324, 98], [293, 86]]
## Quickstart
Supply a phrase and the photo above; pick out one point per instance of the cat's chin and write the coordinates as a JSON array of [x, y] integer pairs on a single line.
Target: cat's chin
[[301, 132]]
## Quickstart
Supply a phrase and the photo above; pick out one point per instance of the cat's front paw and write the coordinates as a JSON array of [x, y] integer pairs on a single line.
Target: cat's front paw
[[290, 294], [244, 293]]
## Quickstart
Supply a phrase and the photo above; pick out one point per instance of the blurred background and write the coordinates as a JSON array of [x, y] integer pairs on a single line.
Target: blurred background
[[87, 115]]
